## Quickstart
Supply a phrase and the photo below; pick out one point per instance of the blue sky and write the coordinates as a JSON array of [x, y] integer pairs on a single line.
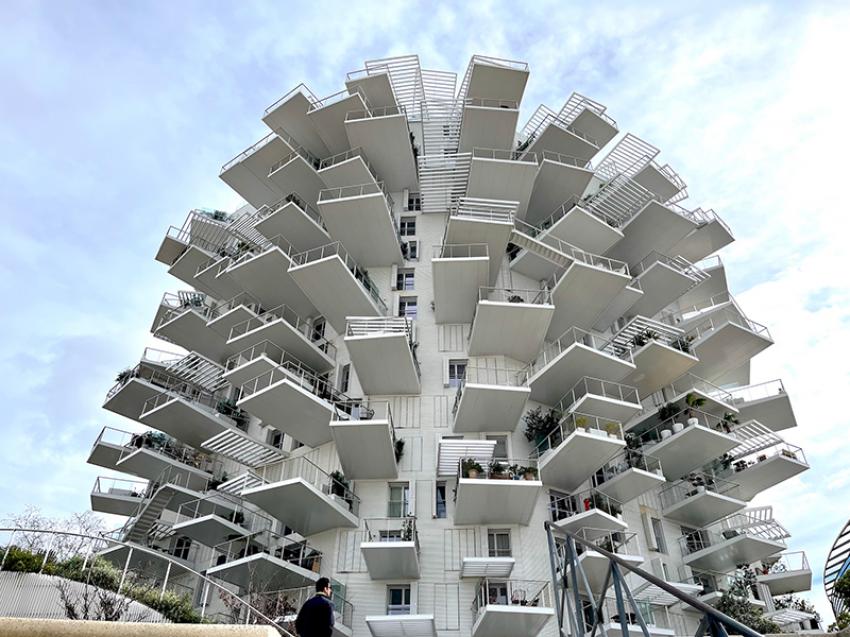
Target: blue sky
[[116, 117]]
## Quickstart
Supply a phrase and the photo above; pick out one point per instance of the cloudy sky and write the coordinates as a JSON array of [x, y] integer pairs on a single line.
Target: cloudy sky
[[115, 118]]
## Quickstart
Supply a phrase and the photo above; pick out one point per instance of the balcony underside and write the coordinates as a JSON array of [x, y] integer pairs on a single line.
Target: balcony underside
[[187, 264], [581, 295], [401, 625], [293, 223], [614, 629], [655, 181], [298, 175], [494, 233], [189, 330], [349, 172], [494, 567], [690, 448], [266, 276], [605, 407], [264, 570], [391, 560], [215, 281], [186, 422], [654, 227], [301, 506], [130, 399], [106, 454], [658, 365], [223, 323], [620, 306], [254, 368], [456, 283], [585, 230], [292, 409], [629, 484], [594, 521], [591, 124], [502, 179], [712, 405], [703, 241], [384, 364], [496, 501], [291, 116], [149, 464], [365, 448], [377, 88], [334, 291], [493, 82], [726, 348], [210, 530], [565, 370], [487, 127], [285, 335], [701, 509], [766, 474], [526, 323], [365, 227], [727, 554], [596, 567], [534, 265], [249, 177], [386, 142], [330, 122], [496, 620], [661, 285], [572, 462], [115, 503], [773, 411], [169, 249], [490, 408], [559, 140], [787, 582], [555, 183]]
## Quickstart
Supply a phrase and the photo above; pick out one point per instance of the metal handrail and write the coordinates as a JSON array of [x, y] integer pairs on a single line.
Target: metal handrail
[[683, 385], [293, 198], [560, 158], [687, 417], [266, 348], [484, 102], [107, 485], [724, 317], [399, 529], [533, 593], [784, 563], [243, 299], [574, 335], [748, 393], [333, 98], [286, 602], [504, 155], [701, 539], [287, 314], [376, 111], [745, 461], [460, 251], [281, 547], [575, 202], [578, 422], [345, 155], [359, 190], [619, 542], [169, 447], [597, 387], [562, 507], [302, 88], [627, 459], [513, 295], [304, 468], [253, 148], [298, 151], [678, 263], [694, 484], [226, 507], [500, 469]]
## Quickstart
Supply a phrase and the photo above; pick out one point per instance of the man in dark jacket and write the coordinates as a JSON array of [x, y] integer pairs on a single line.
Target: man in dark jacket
[[316, 617]]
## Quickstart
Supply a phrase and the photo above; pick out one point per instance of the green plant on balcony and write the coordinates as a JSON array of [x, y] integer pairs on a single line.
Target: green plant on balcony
[[538, 424], [735, 602], [694, 402], [527, 473], [498, 470], [407, 528], [642, 338], [214, 483], [612, 429], [399, 449], [470, 468], [634, 455], [339, 484], [683, 344], [727, 421], [605, 504]]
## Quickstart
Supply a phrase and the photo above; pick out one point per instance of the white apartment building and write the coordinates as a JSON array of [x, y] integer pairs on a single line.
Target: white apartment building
[[350, 359]]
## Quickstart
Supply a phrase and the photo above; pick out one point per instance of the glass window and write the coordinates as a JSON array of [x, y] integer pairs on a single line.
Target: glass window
[[501, 448], [344, 377], [499, 542], [457, 372], [497, 592], [407, 307], [399, 502], [275, 438], [410, 250], [404, 280], [440, 504], [181, 547], [398, 600], [658, 532], [414, 201], [407, 226]]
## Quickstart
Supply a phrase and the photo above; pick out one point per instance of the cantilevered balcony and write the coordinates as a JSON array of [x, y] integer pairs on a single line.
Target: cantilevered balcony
[[723, 550], [365, 440], [297, 171], [294, 218], [503, 492], [265, 556], [348, 168], [191, 416], [760, 465], [284, 605], [487, 221], [183, 318], [547, 130], [151, 453], [107, 448], [709, 397], [383, 352], [201, 236], [589, 509], [713, 584], [786, 573], [700, 499], [247, 173], [222, 316], [768, 403], [362, 216], [711, 235], [663, 181], [628, 474], [336, 284], [565, 361], [588, 229], [502, 175], [259, 359], [602, 398], [508, 607], [458, 271], [663, 279], [304, 497], [390, 548], [133, 387], [572, 452], [212, 277], [589, 117], [282, 328], [487, 123], [290, 113], [559, 178], [399, 621], [686, 441], [329, 116], [117, 496], [524, 314], [595, 565], [494, 78], [375, 83], [489, 398], [218, 518], [384, 134]]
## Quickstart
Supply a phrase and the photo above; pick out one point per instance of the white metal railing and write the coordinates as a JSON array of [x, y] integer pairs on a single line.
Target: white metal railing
[[560, 158], [488, 375], [339, 96], [574, 335], [483, 210], [562, 507], [393, 529], [749, 393], [725, 317], [617, 542], [561, 211], [513, 295], [744, 461], [330, 484], [588, 386], [121, 487], [146, 373], [226, 507], [168, 447], [687, 313], [375, 111], [511, 592], [581, 423], [283, 548], [484, 102], [497, 469], [542, 118], [253, 148], [704, 538], [305, 327], [301, 88], [243, 299], [622, 462], [684, 385], [345, 156], [303, 153], [175, 305], [266, 348], [278, 242], [688, 417], [576, 103], [461, 251], [504, 155], [360, 190], [378, 325], [784, 563], [677, 263], [295, 199], [160, 356], [641, 331], [697, 483]]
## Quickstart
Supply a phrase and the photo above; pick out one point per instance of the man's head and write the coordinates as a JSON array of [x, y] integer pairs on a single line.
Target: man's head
[[323, 585]]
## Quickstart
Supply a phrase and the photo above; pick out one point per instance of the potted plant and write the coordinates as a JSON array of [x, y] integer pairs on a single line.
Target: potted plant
[[613, 429], [399, 449], [727, 421], [634, 457], [694, 402], [124, 376], [216, 482], [498, 471], [339, 484], [762, 458], [407, 530], [683, 344], [538, 424], [581, 422], [515, 298], [238, 517], [740, 465], [789, 454], [605, 504], [470, 468], [642, 338], [666, 412], [528, 473]]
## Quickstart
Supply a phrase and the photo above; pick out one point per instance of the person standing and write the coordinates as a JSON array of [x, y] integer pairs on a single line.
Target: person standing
[[316, 617]]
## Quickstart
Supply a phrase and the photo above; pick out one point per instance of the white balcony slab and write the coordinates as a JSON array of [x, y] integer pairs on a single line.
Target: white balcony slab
[[186, 421], [703, 241], [526, 323], [725, 555], [629, 484], [502, 179], [266, 276], [334, 291], [224, 322], [495, 233], [605, 407], [349, 172], [286, 336], [620, 306], [391, 560], [496, 501], [366, 228], [149, 464], [186, 265], [151, 562], [485, 407], [366, 449], [701, 509], [772, 411], [589, 123], [377, 88], [651, 178], [596, 567], [272, 571], [654, 227], [568, 367], [585, 230], [456, 283], [495, 82], [386, 141], [290, 221], [768, 473], [558, 139], [581, 294], [493, 567], [401, 625], [787, 582], [130, 399], [487, 127], [595, 519], [290, 115], [658, 365], [662, 285], [297, 174], [690, 448], [169, 249], [249, 176], [725, 348], [107, 454], [190, 331], [498, 620], [330, 122], [116, 503], [301, 506], [573, 461], [249, 370], [555, 183], [291, 408], [384, 364], [215, 281], [210, 530]]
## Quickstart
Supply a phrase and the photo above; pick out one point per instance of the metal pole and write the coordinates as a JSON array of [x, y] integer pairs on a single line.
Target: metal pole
[[638, 613], [597, 608], [8, 548], [165, 581], [124, 572], [621, 607], [47, 552], [205, 598], [573, 557]]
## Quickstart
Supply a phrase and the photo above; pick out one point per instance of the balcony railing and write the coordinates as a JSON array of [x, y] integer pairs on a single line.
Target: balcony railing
[[490, 103], [225, 507], [333, 160], [282, 312], [768, 389], [694, 484], [333, 98], [299, 151], [331, 484], [641, 331], [498, 469], [710, 581], [504, 155], [560, 158], [214, 405], [168, 447], [562, 507], [690, 311], [481, 211], [561, 211], [301, 88], [379, 111], [704, 538], [175, 305], [336, 249], [743, 462], [120, 487], [574, 335], [251, 251], [286, 603], [541, 120], [678, 263], [513, 295], [243, 299], [295, 552], [253, 148], [688, 417], [383, 326], [721, 318], [622, 462], [618, 542], [489, 375], [574, 422], [784, 563], [511, 592], [397, 529], [266, 348], [294, 198], [160, 356], [146, 373], [461, 251], [596, 387], [682, 386], [567, 249]]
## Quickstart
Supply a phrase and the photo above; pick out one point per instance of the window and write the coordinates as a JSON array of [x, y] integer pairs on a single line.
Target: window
[[399, 502], [391, 536], [501, 448], [499, 542], [414, 201], [410, 250], [407, 226], [398, 600], [497, 592], [404, 280], [440, 502], [344, 378], [275, 438], [457, 372], [181, 547], [407, 306], [658, 532]]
